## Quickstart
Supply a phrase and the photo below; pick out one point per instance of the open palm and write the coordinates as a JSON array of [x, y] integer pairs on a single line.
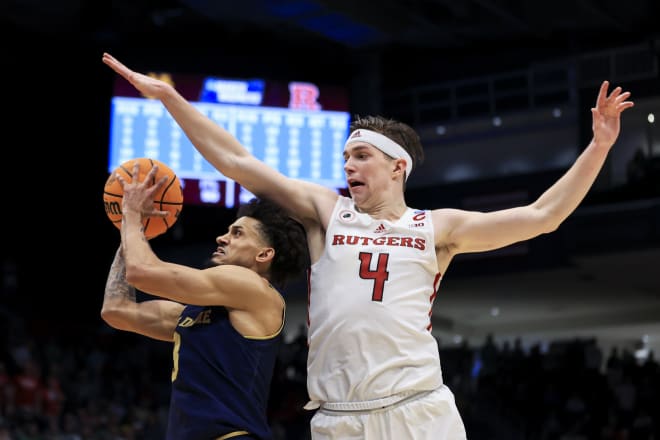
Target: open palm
[[607, 114]]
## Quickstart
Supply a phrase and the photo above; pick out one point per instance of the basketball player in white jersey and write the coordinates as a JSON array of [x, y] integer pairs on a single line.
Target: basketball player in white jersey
[[373, 366]]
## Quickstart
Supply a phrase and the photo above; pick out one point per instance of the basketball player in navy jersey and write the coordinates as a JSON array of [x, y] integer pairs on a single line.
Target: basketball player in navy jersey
[[225, 321], [373, 365]]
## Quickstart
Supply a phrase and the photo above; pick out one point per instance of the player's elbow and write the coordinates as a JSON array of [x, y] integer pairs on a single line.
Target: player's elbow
[[549, 224], [136, 274], [113, 316], [552, 227], [548, 227], [545, 220]]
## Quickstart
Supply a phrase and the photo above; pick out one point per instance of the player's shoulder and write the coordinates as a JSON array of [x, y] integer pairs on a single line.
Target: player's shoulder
[[448, 216], [447, 212]]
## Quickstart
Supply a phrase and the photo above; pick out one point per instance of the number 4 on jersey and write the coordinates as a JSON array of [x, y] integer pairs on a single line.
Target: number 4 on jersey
[[379, 275]]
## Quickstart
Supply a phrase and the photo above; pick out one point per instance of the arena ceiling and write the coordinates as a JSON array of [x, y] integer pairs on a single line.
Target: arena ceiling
[[514, 29]]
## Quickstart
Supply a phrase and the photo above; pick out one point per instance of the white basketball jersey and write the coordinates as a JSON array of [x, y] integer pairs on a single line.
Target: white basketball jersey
[[370, 304]]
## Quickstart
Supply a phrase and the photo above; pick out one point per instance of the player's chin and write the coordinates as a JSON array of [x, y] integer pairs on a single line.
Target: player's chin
[[357, 192], [217, 259]]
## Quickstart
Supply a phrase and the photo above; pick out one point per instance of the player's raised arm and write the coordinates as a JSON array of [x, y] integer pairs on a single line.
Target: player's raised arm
[[224, 151], [475, 232]]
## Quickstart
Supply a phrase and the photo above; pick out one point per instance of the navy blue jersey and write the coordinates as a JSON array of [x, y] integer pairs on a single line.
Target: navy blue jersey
[[221, 379]]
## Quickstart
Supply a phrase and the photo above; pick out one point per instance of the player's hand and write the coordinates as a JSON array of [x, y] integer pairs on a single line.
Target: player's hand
[[606, 115], [148, 86], [139, 196]]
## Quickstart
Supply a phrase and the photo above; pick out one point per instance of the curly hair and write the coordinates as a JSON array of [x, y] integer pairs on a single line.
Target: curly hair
[[399, 132], [284, 234]]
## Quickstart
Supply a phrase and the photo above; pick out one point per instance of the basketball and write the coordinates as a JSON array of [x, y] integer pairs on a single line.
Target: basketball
[[168, 198]]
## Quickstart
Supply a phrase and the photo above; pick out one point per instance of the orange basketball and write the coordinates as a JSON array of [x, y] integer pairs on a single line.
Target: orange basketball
[[168, 198]]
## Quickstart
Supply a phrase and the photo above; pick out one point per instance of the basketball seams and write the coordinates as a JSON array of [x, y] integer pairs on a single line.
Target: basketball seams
[[107, 193], [124, 166], [165, 191]]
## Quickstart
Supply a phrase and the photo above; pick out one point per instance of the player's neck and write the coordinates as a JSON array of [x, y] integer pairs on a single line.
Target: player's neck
[[391, 210]]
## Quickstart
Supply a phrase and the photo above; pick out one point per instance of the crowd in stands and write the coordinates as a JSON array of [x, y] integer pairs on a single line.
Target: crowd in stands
[[100, 384]]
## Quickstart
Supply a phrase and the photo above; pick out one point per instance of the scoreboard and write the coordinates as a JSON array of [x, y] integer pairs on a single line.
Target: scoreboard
[[300, 143]]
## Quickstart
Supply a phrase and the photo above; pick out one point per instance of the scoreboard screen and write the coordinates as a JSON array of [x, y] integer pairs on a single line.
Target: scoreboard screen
[[290, 127]]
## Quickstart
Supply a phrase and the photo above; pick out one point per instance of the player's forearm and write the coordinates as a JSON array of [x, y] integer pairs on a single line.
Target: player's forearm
[[563, 197], [137, 251], [217, 145], [116, 285], [220, 148], [118, 293]]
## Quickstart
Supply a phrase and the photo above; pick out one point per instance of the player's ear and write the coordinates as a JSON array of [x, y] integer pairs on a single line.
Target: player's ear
[[400, 167], [266, 254]]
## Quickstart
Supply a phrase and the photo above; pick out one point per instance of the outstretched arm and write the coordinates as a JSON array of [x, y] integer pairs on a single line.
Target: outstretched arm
[[225, 152], [153, 318], [475, 232]]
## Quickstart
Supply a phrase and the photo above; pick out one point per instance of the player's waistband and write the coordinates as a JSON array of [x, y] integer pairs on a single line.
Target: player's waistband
[[367, 405]]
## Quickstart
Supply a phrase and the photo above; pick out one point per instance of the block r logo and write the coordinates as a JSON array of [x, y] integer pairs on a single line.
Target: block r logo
[[303, 96]]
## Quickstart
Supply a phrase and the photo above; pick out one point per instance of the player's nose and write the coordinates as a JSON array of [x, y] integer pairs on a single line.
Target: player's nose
[[348, 166]]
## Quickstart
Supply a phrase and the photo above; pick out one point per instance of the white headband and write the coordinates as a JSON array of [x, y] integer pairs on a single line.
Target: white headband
[[383, 143]]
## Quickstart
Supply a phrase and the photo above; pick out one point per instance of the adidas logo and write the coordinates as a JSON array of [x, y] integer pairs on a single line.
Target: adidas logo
[[380, 229], [356, 134]]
